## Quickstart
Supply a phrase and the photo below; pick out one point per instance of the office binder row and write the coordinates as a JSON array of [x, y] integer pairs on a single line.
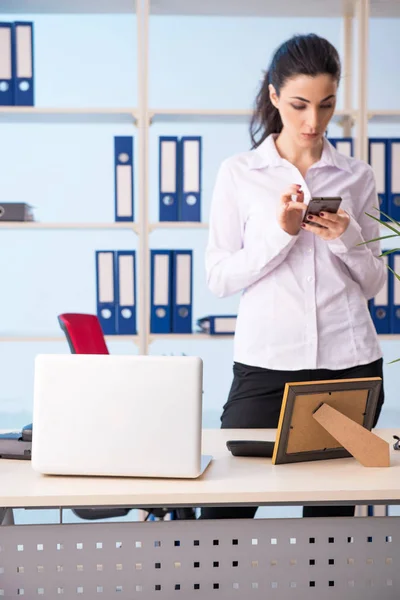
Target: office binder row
[[384, 158], [385, 307], [171, 291], [16, 64], [116, 291], [180, 178], [123, 178]]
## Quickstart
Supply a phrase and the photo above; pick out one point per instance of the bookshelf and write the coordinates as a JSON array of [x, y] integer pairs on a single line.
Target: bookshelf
[[142, 116]]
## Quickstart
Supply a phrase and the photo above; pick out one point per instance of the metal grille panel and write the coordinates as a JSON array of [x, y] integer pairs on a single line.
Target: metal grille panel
[[280, 559]]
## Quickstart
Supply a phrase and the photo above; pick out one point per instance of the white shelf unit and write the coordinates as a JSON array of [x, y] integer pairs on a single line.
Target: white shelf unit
[[355, 111]]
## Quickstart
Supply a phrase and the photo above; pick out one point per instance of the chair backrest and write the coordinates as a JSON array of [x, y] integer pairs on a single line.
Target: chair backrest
[[83, 333]]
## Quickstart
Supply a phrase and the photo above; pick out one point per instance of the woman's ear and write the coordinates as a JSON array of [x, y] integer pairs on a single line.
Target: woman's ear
[[273, 95]]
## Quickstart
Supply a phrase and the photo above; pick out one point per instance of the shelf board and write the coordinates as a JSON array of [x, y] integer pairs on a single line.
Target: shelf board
[[67, 6], [157, 337], [166, 115], [234, 8], [86, 226], [153, 337], [271, 8], [35, 114], [384, 116], [60, 338], [177, 225]]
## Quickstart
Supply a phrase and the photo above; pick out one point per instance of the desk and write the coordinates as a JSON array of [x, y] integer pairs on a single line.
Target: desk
[[298, 559]]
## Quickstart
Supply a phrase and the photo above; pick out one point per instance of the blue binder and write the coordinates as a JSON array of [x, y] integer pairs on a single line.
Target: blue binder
[[7, 45], [190, 179], [168, 178], [380, 307], [394, 292], [106, 290], [182, 291], [24, 79], [343, 145], [126, 292], [394, 178], [379, 160], [161, 291], [123, 178]]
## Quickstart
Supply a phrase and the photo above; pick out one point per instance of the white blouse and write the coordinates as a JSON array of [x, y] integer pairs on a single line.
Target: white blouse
[[304, 299]]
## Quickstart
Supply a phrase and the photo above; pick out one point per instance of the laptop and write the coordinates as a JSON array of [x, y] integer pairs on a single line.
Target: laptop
[[123, 416]]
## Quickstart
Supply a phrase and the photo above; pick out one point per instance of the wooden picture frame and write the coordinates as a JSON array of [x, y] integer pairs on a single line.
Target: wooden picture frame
[[313, 412]]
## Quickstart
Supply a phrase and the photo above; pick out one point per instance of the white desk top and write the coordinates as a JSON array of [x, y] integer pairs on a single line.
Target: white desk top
[[228, 480]]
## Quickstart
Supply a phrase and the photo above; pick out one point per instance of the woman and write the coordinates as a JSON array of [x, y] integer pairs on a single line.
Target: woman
[[303, 312]]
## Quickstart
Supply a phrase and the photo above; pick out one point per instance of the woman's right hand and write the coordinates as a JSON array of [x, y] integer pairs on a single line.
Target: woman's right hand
[[290, 212]]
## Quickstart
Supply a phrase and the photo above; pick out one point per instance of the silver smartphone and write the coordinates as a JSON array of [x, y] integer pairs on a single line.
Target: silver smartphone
[[322, 204]]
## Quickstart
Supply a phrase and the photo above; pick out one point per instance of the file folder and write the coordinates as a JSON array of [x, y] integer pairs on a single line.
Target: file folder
[[24, 68], [105, 290], [126, 296], [394, 179], [161, 291], [182, 291], [6, 64], [394, 293], [190, 179], [343, 145], [218, 324], [168, 179], [123, 161], [378, 159], [379, 306]]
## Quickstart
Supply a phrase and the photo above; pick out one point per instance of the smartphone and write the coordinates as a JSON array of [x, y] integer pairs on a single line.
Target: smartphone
[[317, 205], [251, 448]]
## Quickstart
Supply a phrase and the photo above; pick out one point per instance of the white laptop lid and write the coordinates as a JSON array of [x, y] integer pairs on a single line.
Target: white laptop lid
[[117, 415]]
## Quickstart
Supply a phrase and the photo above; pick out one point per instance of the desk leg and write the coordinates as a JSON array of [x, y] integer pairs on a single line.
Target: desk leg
[[6, 516]]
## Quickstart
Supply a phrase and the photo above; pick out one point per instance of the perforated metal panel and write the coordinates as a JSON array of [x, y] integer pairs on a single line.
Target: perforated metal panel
[[302, 559]]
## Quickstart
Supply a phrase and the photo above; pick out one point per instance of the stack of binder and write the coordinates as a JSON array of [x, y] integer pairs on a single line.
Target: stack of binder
[[116, 291], [171, 291], [123, 178], [16, 64], [384, 158], [180, 178], [218, 324], [385, 307]]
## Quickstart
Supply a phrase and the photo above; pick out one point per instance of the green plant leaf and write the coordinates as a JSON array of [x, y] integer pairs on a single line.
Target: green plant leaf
[[394, 273], [394, 361], [388, 217], [389, 252], [384, 223], [384, 237]]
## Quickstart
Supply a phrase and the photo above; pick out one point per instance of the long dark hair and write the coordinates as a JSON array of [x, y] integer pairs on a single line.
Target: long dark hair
[[301, 55]]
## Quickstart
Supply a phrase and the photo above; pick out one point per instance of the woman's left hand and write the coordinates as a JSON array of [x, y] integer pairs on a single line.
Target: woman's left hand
[[333, 224]]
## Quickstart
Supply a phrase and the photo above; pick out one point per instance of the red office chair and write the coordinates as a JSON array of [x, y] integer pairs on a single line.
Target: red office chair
[[83, 333], [85, 336]]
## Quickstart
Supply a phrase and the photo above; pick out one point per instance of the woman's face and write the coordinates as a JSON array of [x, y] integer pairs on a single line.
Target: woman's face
[[306, 105]]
